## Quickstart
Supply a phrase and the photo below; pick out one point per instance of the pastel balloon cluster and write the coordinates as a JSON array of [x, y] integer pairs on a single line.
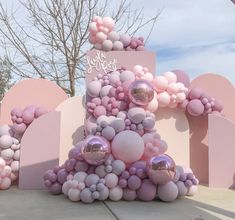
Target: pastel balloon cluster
[[5, 175], [10, 137], [56, 177], [9, 157], [170, 92], [22, 118], [199, 103], [122, 155], [103, 36], [115, 180], [185, 181]]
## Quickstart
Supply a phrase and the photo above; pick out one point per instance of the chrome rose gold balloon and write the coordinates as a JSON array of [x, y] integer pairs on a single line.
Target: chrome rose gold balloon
[[95, 150], [161, 169], [141, 92]]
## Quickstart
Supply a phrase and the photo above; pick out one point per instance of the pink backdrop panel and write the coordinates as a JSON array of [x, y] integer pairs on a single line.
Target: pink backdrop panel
[[39, 150], [40, 92], [172, 125], [221, 152], [100, 61], [220, 88], [72, 114]]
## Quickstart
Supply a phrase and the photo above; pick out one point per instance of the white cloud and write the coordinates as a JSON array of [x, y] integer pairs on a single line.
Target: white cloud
[[195, 35], [191, 22], [219, 59]]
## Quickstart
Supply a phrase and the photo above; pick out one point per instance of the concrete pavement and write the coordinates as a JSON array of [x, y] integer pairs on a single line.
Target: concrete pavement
[[208, 204]]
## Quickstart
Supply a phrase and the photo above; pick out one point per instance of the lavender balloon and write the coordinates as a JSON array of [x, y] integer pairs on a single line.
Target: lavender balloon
[[95, 150], [161, 169], [141, 92]]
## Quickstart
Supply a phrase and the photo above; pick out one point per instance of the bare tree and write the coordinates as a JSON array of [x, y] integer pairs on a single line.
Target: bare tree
[[5, 76], [53, 41]]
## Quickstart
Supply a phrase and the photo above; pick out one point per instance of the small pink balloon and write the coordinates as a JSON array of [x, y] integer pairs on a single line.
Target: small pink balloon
[[101, 37], [108, 22], [160, 83], [171, 77], [195, 93], [28, 116], [195, 107], [92, 39], [113, 36], [117, 45], [93, 28], [147, 191], [19, 128], [5, 183], [140, 48], [17, 112], [99, 110], [125, 39], [163, 99], [107, 45]]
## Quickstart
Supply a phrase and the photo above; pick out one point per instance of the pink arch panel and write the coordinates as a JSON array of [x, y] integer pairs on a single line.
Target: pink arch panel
[[39, 150], [40, 92], [220, 88]]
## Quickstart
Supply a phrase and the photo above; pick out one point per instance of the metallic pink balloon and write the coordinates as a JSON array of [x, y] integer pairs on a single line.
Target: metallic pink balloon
[[161, 169], [95, 150], [141, 92]]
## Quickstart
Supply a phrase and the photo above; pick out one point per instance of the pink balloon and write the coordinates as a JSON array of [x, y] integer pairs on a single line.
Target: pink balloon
[[117, 45], [218, 106], [28, 116], [93, 28], [171, 77], [127, 146], [113, 36], [163, 99], [168, 192], [19, 128], [195, 93], [160, 83], [101, 37], [125, 39], [147, 191], [5, 183], [99, 110], [108, 22], [107, 45], [195, 107]]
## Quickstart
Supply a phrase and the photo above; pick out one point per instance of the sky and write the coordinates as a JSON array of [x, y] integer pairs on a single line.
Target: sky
[[197, 36]]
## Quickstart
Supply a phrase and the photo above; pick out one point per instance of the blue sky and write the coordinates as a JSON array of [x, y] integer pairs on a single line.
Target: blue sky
[[197, 36]]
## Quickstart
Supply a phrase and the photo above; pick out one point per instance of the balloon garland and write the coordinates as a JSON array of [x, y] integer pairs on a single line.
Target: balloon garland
[[103, 36], [123, 156], [10, 137]]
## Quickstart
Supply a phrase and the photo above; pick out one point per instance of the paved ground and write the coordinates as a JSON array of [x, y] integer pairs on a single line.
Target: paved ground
[[208, 204]]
